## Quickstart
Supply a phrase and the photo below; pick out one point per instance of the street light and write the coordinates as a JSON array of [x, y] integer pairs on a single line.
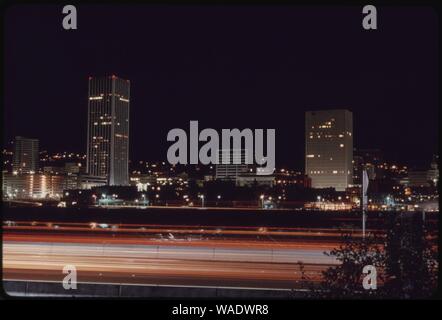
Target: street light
[[95, 198], [262, 201], [202, 200]]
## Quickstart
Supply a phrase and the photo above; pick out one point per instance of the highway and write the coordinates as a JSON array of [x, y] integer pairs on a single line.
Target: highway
[[170, 247], [175, 266], [117, 256]]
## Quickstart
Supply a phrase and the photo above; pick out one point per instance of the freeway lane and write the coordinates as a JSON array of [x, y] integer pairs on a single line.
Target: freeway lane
[[258, 250], [161, 271], [129, 270], [117, 238], [39, 251], [232, 256], [260, 264], [149, 229]]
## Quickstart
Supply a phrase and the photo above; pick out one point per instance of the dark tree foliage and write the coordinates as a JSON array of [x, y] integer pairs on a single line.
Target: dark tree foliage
[[411, 262], [345, 279], [405, 260]]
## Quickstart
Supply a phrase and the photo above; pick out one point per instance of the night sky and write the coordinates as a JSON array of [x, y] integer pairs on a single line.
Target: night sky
[[227, 67]]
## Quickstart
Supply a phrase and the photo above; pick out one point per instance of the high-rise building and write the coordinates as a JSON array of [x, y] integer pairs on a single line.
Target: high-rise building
[[108, 129], [329, 148], [26, 157]]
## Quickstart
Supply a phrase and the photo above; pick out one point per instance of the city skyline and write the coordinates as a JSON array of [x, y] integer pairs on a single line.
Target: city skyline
[[262, 83], [272, 151], [124, 95]]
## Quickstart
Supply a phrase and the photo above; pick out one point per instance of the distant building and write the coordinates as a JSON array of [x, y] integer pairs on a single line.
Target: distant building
[[358, 165], [73, 168], [250, 180], [418, 178], [108, 129], [374, 156], [328, 206], [298, 179], [142, 181], [105, 196], [72, 181], [433, 173], [53, 170], [329, 148], [26, 157], [232, 164], [88, 182], [371, 160], [32, 185], [424, 178]]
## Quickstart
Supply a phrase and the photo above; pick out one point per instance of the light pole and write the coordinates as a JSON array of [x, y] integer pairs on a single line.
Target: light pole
[[364, 217], [95, 199], [262, 201], [202, 200], [364, 200]]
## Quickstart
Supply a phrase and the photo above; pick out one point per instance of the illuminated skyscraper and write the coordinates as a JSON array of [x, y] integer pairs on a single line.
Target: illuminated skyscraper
[[329, 148], [108, 129], [26, 156]]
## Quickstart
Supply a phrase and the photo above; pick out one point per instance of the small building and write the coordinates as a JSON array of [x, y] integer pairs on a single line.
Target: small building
[[32, 185], [418, 178], [253, 179]]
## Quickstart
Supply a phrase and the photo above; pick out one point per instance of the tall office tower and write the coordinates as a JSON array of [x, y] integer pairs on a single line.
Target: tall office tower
[[329, 148], [108, 129], [236, 166], [26, 156]]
